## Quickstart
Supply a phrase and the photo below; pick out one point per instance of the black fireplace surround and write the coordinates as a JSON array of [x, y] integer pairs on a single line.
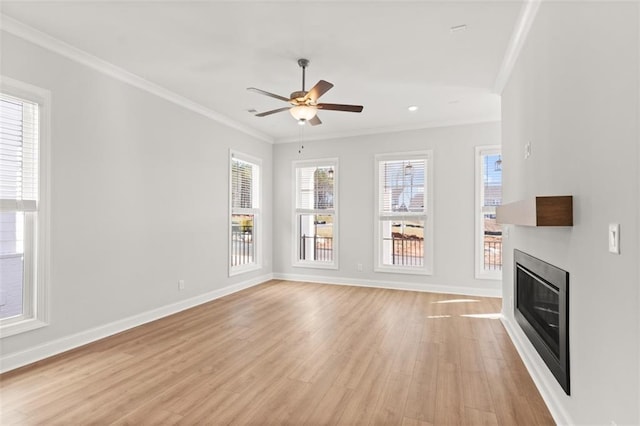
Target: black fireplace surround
[[542, 310]]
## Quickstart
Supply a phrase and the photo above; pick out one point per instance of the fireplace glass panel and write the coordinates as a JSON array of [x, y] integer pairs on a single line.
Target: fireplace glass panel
[[539, 302]]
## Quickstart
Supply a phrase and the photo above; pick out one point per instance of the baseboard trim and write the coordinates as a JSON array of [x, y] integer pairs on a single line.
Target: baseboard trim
[[392, 285], [542, 382], [15, 360]]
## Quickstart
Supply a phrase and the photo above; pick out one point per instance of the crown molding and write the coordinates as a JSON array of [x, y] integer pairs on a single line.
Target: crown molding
[[28, 33], [53, 44], [527, 15], [386, 130]]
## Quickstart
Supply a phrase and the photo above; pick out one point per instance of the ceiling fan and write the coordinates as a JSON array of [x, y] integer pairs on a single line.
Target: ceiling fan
[[305, 104]]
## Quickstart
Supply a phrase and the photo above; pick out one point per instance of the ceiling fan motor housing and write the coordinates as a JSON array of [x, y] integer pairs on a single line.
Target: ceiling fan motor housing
[[297, 98]]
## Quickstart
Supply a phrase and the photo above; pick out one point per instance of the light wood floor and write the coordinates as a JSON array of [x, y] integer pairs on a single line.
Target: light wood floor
[[291, 353]]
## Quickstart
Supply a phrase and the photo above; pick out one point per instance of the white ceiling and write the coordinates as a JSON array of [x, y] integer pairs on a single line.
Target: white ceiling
[[383, 55]]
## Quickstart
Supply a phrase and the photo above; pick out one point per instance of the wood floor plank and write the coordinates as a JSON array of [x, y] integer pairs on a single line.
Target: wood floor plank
[[290, 353], [476, 417], [421, 399], [475, 392], [407, 421], [361, 407], [330, 408], [449, 396], [391, 403], [282, 403], [155, 417]]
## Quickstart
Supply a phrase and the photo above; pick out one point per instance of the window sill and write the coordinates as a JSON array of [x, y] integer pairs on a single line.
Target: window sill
[[397, 270], [315, 265], [21, 326], [489, 276], [239, 270]]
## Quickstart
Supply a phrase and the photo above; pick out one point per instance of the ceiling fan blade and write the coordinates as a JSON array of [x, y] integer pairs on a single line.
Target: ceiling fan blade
[[318, 90], [273, 111], [315, 121], [340, 107], [272, 95]]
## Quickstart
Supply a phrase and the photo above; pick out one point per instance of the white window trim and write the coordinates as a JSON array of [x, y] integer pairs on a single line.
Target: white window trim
[[427, 269], [296, 262], [481, 273], [37, 278], [257, 217]]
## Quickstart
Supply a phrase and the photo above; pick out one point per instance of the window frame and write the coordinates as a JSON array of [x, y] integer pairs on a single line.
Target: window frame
[[317, 264], [255, 211], [37, 250], [427, 215], [479, 211]]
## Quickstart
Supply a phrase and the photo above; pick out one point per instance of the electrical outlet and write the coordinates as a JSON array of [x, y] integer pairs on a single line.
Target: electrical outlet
[[180, 284], [359, 267]]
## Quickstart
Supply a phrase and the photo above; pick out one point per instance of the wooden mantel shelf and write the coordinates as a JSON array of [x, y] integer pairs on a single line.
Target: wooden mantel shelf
[[538, 211]]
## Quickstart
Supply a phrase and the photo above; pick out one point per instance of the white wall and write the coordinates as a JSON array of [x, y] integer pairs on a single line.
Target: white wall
[[139, 192], [454, 174], [574, 95]]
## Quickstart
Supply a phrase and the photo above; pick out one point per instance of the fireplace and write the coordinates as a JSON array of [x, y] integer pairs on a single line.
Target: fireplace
[[542, 310]]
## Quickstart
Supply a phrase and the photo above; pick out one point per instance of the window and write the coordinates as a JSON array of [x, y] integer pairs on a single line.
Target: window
[[404, 237], [488, 196], [23, 208], [316, 222], [244, 228]]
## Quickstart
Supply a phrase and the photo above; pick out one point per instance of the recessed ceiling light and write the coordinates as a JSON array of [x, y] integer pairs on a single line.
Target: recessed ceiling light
[[457, 28], [413, 108]]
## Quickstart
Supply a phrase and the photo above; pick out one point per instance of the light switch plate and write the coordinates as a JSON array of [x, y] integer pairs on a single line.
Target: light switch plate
[[614, 238]]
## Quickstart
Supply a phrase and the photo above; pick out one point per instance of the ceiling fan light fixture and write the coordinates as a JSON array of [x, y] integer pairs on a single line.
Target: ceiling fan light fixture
[[303, 112], [305, 102]]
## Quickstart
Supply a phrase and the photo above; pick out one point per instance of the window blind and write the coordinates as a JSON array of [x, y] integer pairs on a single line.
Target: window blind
[[244, 185], [18, 154], [402, 184], [314, 188]]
